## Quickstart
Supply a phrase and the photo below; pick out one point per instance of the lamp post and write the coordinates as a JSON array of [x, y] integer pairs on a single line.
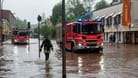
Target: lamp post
[[63, 43]]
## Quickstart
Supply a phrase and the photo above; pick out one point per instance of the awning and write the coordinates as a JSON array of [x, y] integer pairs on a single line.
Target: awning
[[109, 15], [103, 16], [116, 14]]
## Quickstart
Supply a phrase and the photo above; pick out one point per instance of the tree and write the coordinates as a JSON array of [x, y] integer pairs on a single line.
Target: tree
[[100, 5], [88, 4], [21, 23], [75, 9], [56, 14], [46, 28], [47, 31]]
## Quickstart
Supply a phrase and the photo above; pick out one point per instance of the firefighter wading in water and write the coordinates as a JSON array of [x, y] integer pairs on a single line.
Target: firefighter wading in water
[[47, 47]]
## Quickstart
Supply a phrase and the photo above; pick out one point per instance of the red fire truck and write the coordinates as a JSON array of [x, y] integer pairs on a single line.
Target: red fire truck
[[20, 36], [82, 35]]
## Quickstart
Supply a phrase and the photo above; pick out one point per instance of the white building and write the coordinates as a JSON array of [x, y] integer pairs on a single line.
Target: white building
[[111, 17]]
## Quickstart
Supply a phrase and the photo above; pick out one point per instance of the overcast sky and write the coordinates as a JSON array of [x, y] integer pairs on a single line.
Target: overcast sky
[[29, 9]]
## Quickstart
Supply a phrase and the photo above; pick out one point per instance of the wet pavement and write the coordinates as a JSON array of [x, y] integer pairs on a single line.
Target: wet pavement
[[16, 61], [22, 61]]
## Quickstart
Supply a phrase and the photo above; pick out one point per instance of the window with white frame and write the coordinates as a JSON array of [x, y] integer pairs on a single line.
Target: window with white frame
[[117, 19], [103, 21], [109, 21]]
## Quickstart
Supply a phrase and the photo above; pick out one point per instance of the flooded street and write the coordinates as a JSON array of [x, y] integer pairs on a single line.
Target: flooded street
[[16, 61], [114, 63], [22, 61]]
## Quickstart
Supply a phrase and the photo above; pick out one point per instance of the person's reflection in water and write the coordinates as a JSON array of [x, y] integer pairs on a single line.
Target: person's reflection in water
[[48, 73]]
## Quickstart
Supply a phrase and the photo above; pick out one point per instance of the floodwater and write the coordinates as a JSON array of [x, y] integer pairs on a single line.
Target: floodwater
[[22, 61], [113, 63]]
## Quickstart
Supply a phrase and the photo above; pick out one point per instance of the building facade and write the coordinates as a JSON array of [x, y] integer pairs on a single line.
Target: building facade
[[112, 21], [7, 22]]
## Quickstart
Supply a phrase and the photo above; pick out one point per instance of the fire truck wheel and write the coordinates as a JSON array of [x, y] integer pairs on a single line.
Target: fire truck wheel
[[101, 50], [72, 47]]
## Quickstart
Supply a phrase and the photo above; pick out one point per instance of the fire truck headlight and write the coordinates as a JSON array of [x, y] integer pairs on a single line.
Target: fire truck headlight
[[15, 40], [27, 40], [102, 44], [80, 45]]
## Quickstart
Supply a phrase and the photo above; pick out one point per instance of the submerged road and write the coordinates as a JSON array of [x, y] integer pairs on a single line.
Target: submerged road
[[22, 61]]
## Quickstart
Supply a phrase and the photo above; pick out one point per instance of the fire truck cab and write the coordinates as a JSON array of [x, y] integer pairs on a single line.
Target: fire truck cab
[[20, 36], [84, 35]]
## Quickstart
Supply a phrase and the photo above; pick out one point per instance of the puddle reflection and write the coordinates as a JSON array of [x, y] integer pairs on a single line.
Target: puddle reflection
[[81, 63], [48, 68]]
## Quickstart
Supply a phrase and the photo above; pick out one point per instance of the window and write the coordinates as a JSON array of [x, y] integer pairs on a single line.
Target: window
[[117, 19], [22, 33], [92, 28], [68, 29], [103, 21], [109, 21], [76, 28]]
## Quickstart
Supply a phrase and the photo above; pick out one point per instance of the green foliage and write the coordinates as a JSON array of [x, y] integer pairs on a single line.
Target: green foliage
[[100, 5], [88, 4], [75, 9], [20, 23], [53, 32], [49, 31], [71, 18], [56, 14]]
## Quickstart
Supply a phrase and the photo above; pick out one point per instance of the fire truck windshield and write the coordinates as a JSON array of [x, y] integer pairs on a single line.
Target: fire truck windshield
[[91, 29], [23, 33]]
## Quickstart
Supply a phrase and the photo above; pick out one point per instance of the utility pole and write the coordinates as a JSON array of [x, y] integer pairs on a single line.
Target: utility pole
[[63, 41]]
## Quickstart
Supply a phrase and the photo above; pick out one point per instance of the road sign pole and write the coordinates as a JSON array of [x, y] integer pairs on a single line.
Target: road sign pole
[[39, 20], [63, 43]]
